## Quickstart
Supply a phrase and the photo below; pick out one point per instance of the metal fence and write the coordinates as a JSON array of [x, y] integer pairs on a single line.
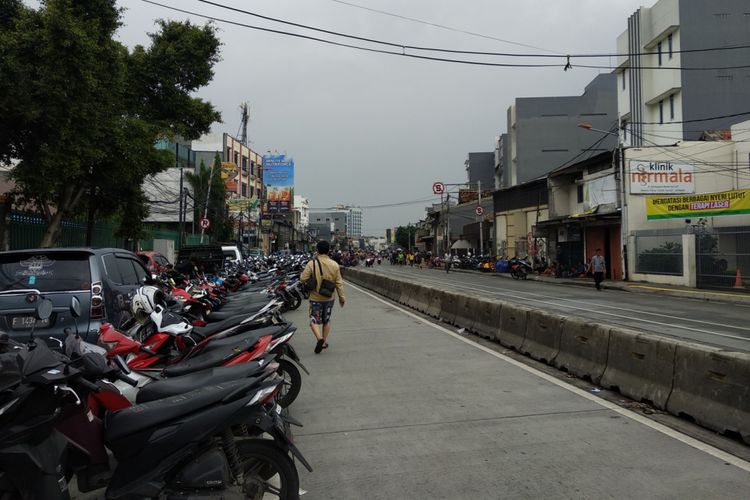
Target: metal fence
[[723, 257], [659, 252], [26, 231]]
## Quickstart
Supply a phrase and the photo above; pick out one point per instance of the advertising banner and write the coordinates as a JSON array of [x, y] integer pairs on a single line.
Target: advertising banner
[[278, 177], [698, 205], [661, 177], [229, 174]]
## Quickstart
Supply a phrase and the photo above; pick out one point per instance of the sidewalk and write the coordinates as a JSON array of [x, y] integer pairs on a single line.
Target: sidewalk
[[398, 407], [739, 297]]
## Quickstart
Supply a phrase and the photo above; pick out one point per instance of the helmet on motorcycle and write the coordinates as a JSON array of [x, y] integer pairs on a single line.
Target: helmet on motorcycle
[[144, 302]]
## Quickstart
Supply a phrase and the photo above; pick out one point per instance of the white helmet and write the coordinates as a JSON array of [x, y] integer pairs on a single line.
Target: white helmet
[[144, 302]]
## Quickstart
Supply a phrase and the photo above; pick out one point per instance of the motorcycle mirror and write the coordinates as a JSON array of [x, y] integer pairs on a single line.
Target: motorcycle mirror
[[75, 307], [94, 364], [43, 309]]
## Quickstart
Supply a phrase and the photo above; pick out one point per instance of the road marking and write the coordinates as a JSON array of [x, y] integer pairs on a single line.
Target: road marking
[[701, 292], [683, 438], [494, 291]]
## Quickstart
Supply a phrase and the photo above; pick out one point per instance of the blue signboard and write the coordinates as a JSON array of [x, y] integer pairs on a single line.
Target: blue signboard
[[278, 177]]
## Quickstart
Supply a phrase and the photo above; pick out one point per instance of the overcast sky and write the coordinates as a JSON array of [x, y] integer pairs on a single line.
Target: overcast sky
[[372, 129]]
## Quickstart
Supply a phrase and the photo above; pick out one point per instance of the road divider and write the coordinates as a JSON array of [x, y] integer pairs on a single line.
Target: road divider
[[712, 387], [640, 366], [513, 319], [704, 384], [543, 332]]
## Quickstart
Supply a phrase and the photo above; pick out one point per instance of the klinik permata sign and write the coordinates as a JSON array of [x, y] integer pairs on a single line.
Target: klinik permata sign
[[661, 177]]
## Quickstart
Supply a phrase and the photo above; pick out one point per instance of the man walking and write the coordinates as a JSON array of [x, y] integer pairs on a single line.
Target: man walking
[[598, 266], [328, 279]]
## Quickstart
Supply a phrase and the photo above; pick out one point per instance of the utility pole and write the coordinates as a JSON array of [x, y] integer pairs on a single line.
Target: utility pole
[[182, 193], [481, 219], [208, 197], [448, 221]]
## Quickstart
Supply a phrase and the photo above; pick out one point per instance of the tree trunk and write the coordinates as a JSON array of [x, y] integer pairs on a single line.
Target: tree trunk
[[54, 229]]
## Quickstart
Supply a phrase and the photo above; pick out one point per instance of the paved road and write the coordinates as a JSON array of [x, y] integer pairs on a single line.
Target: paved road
[[399, 407], [715, 323]]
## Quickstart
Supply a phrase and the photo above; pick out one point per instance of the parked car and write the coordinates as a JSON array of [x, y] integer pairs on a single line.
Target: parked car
[[102, 279], [155, 262], [231, 253]]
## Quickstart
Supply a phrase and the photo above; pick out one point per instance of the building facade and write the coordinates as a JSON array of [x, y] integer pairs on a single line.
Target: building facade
[[543, 132], [661, 97], [354, 222], [480, 168]]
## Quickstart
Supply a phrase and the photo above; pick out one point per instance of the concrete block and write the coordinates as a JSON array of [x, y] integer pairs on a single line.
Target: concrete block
[[434, 302], [584, 347], [487, 318], [712, 387], [640, 366], [465, 312], [449, 307], [513, 319], [410, 295], [543, 331]]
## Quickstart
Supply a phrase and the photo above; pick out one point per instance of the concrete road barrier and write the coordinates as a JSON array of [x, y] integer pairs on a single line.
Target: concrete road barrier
[[449, 307], [434, 303], [640, 366], [420, 299], [465, 312], [543, 331], [513, 319], [584, 347], [712, 387], [487, 320]]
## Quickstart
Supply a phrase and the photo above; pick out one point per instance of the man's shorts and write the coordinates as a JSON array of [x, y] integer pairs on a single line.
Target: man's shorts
[[320, 312]]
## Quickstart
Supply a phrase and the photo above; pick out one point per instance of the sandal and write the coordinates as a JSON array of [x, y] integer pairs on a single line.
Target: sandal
[[325, 345], [319, 346]]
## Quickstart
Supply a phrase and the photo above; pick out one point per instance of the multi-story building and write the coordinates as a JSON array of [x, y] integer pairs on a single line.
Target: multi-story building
[[480, 168], [247, 182], [329, 222], [543, 132], [670, 88], [353, 222], [501, 156], [302, 207]]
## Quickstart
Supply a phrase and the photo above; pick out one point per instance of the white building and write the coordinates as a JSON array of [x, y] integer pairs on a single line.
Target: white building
[[302, 206], [663, 95], [354, 222]]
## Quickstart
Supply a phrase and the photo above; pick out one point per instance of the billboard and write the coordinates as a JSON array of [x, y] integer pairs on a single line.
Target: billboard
[[278, 178], [229, 174], [698, 205], [661, 177]]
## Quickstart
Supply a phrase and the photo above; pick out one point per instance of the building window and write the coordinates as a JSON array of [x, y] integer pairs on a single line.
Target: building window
[[252, 192], [671, 107], [252, 167], [661, 112], [229, 154], [624, 127], [244, 190], [658, 50], [669, 45], [244, 165], [580, 193], [236, 158], [623, 79]]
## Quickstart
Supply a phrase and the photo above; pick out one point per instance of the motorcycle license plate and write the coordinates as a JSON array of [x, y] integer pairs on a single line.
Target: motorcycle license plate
[[27, 322]]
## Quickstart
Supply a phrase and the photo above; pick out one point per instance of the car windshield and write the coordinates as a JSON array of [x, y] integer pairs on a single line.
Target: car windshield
[[52, 272]]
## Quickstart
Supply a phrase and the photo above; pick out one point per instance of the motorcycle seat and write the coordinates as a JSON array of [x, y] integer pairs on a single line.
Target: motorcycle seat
[[206, 360], [180, 385], [146, 416]]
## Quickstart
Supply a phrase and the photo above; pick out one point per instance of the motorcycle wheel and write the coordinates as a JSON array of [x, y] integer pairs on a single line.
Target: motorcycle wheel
[[295, 302], [292, 383], [268, 471], [514, 275]]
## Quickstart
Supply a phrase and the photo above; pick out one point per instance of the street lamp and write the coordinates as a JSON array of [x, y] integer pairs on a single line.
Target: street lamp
[[623, 197]]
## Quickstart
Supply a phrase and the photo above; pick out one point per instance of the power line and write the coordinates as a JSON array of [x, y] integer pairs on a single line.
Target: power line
[[696, 120], [564, 65], [466, 52], [442, 26]]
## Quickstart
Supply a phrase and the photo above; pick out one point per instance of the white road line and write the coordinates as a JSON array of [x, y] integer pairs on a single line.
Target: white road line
[[692, 442], [474, 288]]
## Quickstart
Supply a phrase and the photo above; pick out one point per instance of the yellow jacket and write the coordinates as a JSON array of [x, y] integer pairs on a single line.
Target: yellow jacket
[[331, 272]]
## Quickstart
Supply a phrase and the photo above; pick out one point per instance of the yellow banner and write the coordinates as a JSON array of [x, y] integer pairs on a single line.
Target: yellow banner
[[698, 205]]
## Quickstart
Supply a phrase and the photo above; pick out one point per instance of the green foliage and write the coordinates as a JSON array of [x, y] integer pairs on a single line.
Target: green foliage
[[405, 236], [221, 228], [665, 259], [81, 114]]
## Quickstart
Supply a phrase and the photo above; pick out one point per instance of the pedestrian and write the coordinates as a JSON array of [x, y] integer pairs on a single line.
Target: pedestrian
[[599, 267], [327, 275], [448, 259]]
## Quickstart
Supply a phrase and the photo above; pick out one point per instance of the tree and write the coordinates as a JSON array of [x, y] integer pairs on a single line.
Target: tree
[[405, 236], [221, 229], [81, 113]]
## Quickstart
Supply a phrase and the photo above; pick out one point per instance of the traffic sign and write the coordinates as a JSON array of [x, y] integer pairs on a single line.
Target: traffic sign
[[438, 188], [479, 210], [205, 223]]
